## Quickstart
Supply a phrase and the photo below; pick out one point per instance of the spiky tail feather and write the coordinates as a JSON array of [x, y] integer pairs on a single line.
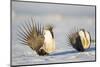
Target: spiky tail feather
[[31, 34]]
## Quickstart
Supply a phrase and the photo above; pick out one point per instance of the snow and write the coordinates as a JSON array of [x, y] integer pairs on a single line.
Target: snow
[[25, 56]]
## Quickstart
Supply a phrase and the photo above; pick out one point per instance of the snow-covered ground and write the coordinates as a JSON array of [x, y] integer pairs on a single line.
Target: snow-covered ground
[[23, 55]]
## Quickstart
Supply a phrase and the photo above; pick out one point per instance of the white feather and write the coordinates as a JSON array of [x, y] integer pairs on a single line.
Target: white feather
[[49, 43], [85, 39]]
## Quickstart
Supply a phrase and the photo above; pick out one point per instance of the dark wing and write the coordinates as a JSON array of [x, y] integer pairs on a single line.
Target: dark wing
[[31, 34]]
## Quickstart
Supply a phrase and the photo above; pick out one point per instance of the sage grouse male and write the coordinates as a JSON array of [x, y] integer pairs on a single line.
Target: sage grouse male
[[37, 37], [80, 40]]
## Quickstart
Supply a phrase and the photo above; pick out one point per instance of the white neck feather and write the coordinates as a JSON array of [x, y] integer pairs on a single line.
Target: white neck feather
[[49, 43]]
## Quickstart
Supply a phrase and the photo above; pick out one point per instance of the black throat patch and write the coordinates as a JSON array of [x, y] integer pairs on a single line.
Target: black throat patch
[[52, 33]]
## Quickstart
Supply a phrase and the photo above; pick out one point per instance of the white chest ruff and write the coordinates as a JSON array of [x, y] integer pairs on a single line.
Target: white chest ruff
[[49, 43], [85, 38]]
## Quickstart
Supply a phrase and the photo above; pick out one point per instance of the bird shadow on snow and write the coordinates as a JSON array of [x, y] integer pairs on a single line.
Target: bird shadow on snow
[[71, 52]]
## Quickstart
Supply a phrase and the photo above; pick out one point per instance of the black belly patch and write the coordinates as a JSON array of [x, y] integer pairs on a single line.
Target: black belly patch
[[42, 52], [78, 45]]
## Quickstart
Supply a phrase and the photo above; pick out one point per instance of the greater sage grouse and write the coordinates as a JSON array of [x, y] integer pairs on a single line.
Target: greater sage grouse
[[80, 40], [37, 37]]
